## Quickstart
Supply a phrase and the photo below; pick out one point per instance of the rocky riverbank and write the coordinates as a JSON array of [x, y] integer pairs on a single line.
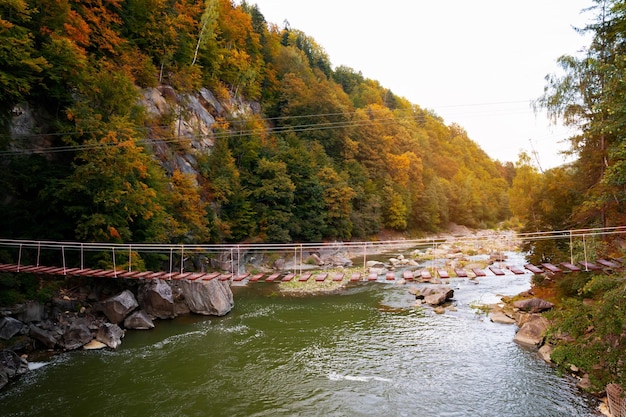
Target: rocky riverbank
[[92, 317]]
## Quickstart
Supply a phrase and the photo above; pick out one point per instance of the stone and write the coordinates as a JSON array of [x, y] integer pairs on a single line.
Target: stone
[[110, 334], [533, 305], [435, 295], [545, 353], [213, 297], [76, 336], [11, 366], [9, 327], [119, 306], [530, 334], [43, 336], [156, 298], [94, 345], [501, 318], [139, 320]]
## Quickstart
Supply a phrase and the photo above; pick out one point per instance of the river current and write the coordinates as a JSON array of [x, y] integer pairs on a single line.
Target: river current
[[366, 351]]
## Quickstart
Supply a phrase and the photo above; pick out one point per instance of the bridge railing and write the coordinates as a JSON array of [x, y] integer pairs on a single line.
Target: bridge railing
[[33, 250]]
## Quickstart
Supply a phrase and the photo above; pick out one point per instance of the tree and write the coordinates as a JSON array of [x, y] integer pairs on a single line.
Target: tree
[[20, 63], [590, 96], [273, 195]]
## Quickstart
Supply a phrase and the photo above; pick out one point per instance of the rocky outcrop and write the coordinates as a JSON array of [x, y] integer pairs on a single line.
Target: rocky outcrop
[[208, 297], [119, 306]]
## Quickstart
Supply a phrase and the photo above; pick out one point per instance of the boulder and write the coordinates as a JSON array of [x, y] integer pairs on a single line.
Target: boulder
[[533, 305], [11, 366], [110, 334], [9, 327], [156, 298], [94, 345], [545, 353], [43, 336], [435, 295], [501, 317], [76, 336], [530, 334], [139, 320], [213, 297], [117, 307]]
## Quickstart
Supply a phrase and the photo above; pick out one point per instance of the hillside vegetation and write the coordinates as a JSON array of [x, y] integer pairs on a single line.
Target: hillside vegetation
[[322, 153]]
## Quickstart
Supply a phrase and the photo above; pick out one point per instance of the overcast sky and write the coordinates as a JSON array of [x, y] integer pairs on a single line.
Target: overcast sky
[[476, 63]]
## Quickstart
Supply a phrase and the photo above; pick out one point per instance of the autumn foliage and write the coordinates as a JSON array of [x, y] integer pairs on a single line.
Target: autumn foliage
[[330, 155]]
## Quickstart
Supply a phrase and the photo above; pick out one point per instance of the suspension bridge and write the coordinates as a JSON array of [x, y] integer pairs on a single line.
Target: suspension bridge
[[69, 258]]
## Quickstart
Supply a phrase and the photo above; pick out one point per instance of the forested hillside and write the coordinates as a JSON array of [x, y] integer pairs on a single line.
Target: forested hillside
[[322, 152]]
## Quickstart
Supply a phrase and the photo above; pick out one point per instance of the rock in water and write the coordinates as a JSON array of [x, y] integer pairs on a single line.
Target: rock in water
[[110, 334], [11, 366], [117, 307], [76, 336], [212, 298], [139, 320], [156, 298], [531, 332]]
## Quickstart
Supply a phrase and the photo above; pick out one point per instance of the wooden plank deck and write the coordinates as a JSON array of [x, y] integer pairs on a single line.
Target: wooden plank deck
[[496, 271], [552, 268], [534, 269], [305, 277], [589, 266], [479, 272], [256, 277], [570, 267], [516, 270], [320, 277], [460, 272]]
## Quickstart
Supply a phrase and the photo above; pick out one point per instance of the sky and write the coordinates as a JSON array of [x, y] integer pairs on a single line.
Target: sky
[[477, 63]]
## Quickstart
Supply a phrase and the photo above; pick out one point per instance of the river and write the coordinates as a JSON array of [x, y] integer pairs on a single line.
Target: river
[[365, 351]]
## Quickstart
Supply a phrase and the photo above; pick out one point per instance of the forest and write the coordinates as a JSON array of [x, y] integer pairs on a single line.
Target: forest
[[328, 153]]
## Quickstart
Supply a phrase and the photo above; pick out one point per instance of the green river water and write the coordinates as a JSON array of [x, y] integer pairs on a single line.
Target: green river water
[[365, 351]]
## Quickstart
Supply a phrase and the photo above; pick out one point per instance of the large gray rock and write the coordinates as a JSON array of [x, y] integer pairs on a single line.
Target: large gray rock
[[76, 336], [110, 334], [119, 306], [435, 296], [533, 305], [139, 320], [43, 336], [9, 327], [212, 298], [530, 334], [156, 298], [11, 366]]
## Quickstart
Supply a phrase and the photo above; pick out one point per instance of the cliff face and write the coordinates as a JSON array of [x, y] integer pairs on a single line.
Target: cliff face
[[191, 121]]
